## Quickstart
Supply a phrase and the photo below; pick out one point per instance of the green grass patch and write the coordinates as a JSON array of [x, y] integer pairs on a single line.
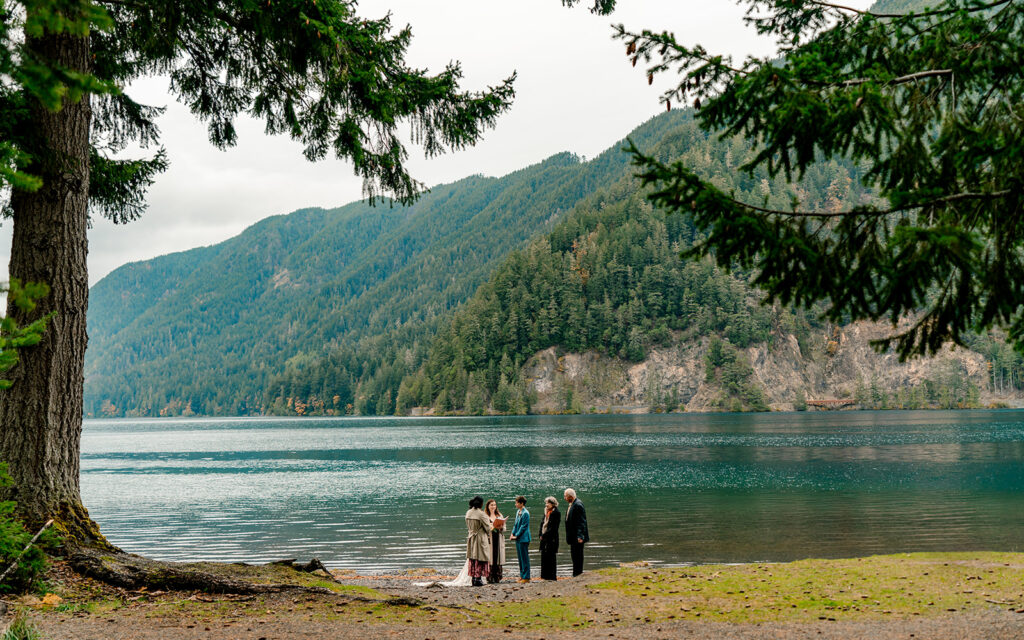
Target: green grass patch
[[21, 629], [878, 587], [75, 607], [862, 588], [558, 613], [349, 589]]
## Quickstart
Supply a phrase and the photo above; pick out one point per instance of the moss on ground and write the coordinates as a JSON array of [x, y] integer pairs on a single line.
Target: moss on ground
[[555, 612], [349, 589], [862, 588], [878, 587], [268, 607]]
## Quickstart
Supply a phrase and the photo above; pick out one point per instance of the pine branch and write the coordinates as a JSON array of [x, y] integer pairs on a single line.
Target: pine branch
[[667, 41], [125, 3], [900, 80], [956, 197], [933, 12], [31, 542]]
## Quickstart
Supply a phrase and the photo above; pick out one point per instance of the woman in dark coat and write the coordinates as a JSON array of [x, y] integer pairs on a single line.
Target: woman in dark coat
[[549, 539]]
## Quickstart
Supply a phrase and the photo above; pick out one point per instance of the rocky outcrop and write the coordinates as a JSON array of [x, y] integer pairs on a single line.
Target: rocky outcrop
[[840, 363]]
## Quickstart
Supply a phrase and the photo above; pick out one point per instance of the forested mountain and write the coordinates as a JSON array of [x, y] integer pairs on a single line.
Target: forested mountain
[[607, 281], [608, 277], [206, 330], [602, 312], [901, 6]]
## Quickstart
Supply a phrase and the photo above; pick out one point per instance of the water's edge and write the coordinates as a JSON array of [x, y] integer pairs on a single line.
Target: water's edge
[[379, 495]]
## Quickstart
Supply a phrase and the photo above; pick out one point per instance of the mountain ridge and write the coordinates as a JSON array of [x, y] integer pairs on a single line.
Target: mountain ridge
[[328, 276]]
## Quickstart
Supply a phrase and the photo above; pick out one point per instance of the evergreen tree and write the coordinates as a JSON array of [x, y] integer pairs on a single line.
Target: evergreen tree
[[925, 98], [504, 399], [311, 69], [14, 338], [800, 400]]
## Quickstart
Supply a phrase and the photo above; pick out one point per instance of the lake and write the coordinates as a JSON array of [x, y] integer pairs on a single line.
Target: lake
[[383, 494]]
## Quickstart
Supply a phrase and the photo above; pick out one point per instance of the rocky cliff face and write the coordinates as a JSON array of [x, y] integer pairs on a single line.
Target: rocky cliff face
[[837, 364]]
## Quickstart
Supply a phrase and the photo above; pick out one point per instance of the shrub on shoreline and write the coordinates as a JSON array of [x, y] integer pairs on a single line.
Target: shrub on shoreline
[[13, 538]]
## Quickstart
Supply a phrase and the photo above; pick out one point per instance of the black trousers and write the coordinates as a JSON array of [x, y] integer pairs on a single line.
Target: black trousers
[[576, 551], [549, 563]]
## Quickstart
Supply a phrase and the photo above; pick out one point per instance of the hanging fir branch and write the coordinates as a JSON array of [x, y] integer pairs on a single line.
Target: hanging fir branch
[[927, 102]]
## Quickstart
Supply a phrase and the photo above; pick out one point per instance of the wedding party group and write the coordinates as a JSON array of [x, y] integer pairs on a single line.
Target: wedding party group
[[485, 542]]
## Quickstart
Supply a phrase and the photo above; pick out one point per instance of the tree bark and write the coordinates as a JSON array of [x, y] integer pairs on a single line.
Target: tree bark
[[41, 414]]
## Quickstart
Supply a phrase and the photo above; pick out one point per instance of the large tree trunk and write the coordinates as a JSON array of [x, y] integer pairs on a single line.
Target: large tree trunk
[[41, 414]]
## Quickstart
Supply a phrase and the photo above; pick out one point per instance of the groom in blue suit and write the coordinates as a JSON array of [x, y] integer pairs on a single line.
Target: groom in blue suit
[[521, 534]]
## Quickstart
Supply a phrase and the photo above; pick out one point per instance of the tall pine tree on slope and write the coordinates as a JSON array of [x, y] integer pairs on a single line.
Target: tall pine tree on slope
[[311, 69]]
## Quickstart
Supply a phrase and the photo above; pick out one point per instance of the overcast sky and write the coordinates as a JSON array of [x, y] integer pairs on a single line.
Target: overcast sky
[[576, 92]]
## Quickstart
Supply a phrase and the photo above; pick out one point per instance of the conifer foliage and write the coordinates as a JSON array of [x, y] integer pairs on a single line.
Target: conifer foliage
[[927, 97], [14, 546], [310, 69]]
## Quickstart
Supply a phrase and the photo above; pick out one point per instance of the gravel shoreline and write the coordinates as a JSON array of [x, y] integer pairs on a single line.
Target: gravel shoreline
[[394, 606], [993, 625]]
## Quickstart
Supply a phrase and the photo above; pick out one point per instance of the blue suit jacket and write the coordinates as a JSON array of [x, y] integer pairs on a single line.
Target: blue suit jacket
[[521, 528]]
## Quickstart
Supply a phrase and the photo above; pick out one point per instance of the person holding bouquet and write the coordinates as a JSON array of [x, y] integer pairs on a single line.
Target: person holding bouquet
[[497, 542]]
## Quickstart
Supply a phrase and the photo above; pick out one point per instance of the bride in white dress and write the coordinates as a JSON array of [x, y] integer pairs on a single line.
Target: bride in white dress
[[476, 523]]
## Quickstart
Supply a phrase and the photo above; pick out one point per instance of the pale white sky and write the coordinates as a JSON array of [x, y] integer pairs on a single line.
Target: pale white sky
[[576, 92]]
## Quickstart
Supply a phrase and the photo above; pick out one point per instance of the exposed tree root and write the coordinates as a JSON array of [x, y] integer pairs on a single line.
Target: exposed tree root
[[133, 572], [130, 571], [312, 566]]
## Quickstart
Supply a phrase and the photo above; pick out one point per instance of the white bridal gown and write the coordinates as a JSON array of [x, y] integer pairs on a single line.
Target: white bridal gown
[[461, 580]]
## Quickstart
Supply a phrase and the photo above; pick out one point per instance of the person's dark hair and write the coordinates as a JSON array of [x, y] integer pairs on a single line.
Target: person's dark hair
[[521, 500], [476, 502]]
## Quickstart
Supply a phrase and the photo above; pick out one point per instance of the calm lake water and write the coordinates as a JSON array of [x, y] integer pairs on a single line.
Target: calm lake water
[[390, 493]]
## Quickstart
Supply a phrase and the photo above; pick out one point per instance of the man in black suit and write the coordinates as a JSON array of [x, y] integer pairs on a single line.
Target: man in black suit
[[576, 533]]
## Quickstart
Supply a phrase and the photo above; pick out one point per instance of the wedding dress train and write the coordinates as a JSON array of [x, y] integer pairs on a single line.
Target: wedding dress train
[[461, 580]]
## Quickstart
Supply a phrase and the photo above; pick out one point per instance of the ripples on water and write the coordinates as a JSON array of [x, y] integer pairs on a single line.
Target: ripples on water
[[389, 493]]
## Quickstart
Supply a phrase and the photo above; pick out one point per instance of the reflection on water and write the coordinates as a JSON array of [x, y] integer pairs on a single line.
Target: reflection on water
[[389, 493]]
